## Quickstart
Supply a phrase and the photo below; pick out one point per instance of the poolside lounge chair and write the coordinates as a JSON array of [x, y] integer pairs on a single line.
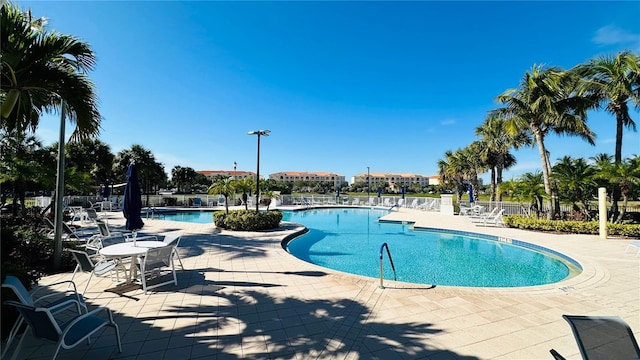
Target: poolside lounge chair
[[44, 326], [602, 337], [68, 299], [68, 233], [482, 217], [414, 204], [355, 202], [372, 201], [496, 219]]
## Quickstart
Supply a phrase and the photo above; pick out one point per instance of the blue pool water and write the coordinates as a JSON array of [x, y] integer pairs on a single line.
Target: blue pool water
[[349, 240]]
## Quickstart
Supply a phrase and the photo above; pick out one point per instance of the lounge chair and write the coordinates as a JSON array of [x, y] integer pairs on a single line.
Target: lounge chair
[[602, 337], [197, 202], [68, 233], [414, 204], [372, 201], [482, 217], [44, 326], [68, 299], [495, 220], [355, 202]]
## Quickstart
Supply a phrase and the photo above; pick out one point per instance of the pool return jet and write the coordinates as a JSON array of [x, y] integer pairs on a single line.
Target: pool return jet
[[390, 260]]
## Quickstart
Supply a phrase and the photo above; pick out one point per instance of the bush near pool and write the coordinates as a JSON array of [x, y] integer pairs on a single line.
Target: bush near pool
[[247, 220]]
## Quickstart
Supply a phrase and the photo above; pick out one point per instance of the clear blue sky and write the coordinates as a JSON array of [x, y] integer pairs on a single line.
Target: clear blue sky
[[341, 85]]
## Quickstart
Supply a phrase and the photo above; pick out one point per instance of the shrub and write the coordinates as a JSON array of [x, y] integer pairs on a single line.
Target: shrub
[[570, 226], [247, 220]]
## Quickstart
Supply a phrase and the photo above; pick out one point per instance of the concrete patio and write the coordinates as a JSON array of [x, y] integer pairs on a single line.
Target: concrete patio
[[242, 296]]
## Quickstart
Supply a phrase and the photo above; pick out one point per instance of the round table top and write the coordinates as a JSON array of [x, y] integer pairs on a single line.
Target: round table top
[[128, 248]]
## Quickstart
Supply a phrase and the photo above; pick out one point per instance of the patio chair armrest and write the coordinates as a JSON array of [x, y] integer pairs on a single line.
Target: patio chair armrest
[[37, 289], [93, 313]]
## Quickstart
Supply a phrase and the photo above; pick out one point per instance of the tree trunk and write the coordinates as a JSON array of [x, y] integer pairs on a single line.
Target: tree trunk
[[493, 184], [546, 169], [615, 193]]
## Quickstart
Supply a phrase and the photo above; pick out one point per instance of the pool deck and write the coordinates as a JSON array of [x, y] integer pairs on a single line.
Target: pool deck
[[241, 296]]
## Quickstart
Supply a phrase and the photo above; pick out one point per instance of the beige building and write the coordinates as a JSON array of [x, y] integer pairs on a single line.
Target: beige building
[[396, 179], [292, 176], [239, 174]]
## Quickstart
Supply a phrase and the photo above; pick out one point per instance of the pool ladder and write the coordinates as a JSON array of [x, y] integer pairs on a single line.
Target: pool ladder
[[390, 260]]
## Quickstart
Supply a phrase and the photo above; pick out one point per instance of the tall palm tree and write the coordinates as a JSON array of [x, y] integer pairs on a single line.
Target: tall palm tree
[[496, 143], [545, 102], [40, 69], [623, 176], [615, 81], [224, 187]]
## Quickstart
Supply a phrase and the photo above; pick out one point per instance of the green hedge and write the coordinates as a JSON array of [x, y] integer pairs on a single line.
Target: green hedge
[[568, 226], [247, 220]]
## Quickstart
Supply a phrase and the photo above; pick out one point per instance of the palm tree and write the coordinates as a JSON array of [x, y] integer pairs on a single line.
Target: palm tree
[[243, 186], [546, 101], [530, 186], [496, 143], [623, 176], [576, 180], [223, 186], [40, 69], [451, 172], [614, 81]]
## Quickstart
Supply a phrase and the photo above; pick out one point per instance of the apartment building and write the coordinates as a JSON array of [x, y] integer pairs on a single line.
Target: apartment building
[[292, 176], [236, 174], [396, 179]]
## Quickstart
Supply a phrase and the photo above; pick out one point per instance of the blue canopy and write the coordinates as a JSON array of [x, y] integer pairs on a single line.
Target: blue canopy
[[132, 204], [471, 193]]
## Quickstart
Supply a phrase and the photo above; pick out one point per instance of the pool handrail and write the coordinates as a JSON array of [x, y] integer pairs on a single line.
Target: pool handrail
[[390, 260]]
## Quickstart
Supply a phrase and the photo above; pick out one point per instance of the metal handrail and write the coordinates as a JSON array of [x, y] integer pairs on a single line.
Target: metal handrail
[[390, 260]]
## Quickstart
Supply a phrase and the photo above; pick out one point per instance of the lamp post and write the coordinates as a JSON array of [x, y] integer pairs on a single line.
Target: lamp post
[[234, 170], [263, 133], [368, 184]]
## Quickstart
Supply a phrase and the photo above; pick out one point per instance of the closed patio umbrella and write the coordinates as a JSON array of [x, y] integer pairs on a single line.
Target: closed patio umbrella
[[106, 191], [337, 193], [379, 192], [132, 204], [471, 193], [403, 192]]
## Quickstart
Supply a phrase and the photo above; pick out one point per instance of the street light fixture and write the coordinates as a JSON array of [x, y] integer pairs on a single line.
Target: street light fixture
[[259, 133], [234, 170]]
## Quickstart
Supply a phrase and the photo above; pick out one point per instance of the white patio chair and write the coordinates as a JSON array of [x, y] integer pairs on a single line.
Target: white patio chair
[[173, 239], [44, 326], [99, 268], [152, 265]]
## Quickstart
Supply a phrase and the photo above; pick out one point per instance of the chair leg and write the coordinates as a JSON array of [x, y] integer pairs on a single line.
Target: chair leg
[[12, 335], [175, 252], [87, 285]]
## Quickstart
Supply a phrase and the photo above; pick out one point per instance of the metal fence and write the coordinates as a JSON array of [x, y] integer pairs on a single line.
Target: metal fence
[[212, 201]]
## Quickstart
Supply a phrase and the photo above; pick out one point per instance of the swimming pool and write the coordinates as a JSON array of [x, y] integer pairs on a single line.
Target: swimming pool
[[349, 240]]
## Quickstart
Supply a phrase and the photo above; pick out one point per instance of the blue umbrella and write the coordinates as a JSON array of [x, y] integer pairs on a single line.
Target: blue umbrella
[[132, 204], [403, 192], [470, 193]]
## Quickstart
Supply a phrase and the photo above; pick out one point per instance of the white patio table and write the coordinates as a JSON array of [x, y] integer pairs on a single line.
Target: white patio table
[[130, 249]]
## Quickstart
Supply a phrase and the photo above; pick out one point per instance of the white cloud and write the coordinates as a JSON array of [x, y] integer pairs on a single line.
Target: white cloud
[[448, 122], [613, 35]]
